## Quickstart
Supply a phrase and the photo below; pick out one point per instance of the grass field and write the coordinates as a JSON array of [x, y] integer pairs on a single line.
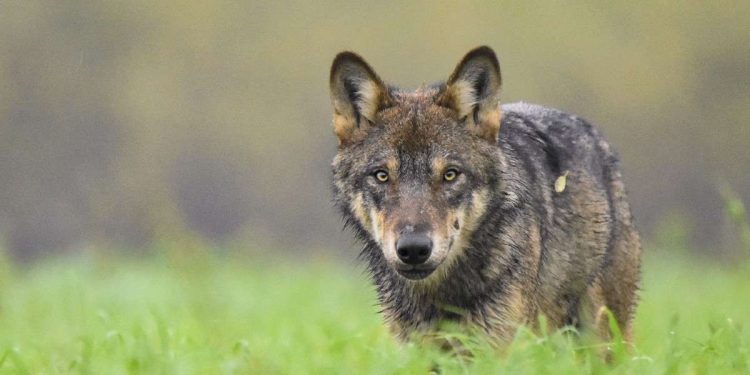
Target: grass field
[[229, 314]]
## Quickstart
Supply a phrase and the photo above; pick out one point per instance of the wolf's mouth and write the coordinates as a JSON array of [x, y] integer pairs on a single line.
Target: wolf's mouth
[[415, 273]]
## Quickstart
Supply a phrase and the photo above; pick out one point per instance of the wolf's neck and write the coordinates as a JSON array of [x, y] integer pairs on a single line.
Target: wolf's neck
[[459, 297]]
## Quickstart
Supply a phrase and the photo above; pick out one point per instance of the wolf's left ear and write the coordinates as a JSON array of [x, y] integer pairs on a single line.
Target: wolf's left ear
[[357, 94], [473, 90]]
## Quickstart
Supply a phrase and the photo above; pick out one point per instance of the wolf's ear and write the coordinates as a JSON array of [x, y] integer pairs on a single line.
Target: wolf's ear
[[473, 90], [357, 94]]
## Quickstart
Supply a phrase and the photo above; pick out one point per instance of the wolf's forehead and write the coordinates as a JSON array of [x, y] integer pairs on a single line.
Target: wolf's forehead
[[415, 121], [414, 104], [421, 94]]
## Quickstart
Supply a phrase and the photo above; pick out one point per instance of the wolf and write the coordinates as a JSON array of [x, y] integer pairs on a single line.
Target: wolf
[[477, 213]]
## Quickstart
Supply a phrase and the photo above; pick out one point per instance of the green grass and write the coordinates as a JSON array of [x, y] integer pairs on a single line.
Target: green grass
[[95, 314]]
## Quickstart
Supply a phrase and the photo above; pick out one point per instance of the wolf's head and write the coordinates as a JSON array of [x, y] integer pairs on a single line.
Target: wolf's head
[[414, 169]]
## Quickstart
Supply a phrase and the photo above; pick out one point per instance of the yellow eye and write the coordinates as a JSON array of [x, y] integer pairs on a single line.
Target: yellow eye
[[450, 175], [382, 176]]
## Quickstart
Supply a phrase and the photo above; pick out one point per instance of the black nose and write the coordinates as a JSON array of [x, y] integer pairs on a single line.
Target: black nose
[[414, 248]]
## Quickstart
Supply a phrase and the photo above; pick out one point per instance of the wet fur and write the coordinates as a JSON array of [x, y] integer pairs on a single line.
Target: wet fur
[[520, 249]]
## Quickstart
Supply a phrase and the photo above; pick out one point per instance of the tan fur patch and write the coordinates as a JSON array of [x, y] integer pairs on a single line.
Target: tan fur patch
[[503, 319], [479, 206], [438, 166], [342, 126], [535, 247], [516, 307], [377, 218], [358, 208], [369, 99], [392, 165], [464, 97], [489, 124], [347, 130]]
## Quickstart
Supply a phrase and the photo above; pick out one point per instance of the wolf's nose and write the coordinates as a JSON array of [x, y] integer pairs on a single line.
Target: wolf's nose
[[414, 249]]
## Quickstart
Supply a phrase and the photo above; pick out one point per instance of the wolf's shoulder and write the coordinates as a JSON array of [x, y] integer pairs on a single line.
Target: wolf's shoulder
[[531, 110], [560, 138], [526, 119], [528, 116]]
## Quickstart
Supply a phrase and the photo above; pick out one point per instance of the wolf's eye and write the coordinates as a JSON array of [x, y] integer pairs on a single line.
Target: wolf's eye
[[450, 174], [381, 176]]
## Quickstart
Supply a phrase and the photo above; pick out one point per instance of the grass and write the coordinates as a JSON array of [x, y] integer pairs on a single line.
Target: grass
[[228, 314]]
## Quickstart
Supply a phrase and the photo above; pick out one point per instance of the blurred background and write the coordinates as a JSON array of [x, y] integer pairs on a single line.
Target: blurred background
[[126, 123]]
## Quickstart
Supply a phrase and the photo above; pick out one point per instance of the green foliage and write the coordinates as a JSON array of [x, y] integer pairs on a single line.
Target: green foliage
[[96, 314]]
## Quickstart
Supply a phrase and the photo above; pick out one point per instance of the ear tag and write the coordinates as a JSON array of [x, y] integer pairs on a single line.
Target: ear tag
[[560, 182]]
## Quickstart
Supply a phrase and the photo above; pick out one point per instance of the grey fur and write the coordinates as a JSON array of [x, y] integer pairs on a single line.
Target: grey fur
[[530, 250]]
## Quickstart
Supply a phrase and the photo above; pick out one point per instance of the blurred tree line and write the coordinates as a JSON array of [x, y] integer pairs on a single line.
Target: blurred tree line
[[123, 122]]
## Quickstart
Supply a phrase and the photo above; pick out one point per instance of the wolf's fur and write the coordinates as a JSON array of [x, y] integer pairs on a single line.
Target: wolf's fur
[[506, 245]]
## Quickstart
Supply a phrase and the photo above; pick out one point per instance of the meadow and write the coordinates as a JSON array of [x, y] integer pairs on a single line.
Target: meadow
[[203, 313]]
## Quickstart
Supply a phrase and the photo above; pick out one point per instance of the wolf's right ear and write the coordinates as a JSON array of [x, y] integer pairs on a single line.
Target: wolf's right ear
[[357, 94], [473, 91]]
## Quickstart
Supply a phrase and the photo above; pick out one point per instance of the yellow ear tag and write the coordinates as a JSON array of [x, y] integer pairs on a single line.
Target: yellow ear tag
[[560, 182]]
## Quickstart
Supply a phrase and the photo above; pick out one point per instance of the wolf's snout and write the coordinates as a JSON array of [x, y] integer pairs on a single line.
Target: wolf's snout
[[414, 248]]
